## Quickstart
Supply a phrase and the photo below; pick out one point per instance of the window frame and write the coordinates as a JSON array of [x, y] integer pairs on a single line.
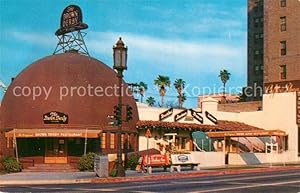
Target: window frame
[[283, 48], [283, 72], [283, 24], [282, 3]]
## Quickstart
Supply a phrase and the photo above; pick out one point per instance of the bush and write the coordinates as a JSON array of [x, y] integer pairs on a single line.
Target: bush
[[10, 164], [132, 161], [86, 162]]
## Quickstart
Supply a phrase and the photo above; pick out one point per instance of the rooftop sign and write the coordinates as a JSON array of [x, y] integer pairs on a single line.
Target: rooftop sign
[[71, 20]]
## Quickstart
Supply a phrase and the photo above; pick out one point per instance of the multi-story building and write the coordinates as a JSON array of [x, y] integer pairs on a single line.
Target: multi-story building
[[255, 47], [273, 45], [282, 44]]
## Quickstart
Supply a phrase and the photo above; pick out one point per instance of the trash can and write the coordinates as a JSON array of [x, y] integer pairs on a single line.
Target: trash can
[[101, 166]]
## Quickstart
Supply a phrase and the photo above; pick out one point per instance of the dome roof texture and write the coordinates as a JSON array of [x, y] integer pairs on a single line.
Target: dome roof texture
[[81, 87]]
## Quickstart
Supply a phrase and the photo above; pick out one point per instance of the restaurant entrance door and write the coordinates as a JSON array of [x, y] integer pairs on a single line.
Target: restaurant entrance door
[[56, 150]]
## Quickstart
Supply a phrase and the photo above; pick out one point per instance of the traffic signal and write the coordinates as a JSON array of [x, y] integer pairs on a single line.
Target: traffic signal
[[128, 112], [117, 113]]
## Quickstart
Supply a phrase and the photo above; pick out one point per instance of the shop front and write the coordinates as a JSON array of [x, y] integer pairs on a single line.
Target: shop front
[[51, 146]]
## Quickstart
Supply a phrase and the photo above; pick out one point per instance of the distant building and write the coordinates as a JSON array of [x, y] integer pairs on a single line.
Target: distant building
[[273, 45], [255, 45], [230, 98]]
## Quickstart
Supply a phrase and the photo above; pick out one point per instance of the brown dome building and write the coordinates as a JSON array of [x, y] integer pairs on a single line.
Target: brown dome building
[[57, 108]]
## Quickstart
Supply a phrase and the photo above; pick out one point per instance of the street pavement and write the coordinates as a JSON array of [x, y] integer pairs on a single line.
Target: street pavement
[[268, 181]]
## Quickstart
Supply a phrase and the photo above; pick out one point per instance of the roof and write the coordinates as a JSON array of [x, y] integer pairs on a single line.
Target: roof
[[250, 133], [62, 73], [221, 126]]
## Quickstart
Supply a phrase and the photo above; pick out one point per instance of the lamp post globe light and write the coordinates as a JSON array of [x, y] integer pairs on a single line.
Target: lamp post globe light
[[120, 64]]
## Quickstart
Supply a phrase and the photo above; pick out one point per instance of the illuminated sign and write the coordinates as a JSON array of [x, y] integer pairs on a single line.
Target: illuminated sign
[[71, 20], [165, 114], [54, 117]]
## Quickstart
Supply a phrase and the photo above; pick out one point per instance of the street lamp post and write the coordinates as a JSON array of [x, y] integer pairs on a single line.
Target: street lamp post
[[120, 64]]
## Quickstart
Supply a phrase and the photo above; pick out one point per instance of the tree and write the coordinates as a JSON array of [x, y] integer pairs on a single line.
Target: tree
[[162, 82], [179, 85], [181, 99], [141, 89], [150, 101], [224, 76]]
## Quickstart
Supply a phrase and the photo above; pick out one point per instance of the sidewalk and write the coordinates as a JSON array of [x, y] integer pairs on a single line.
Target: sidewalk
[[24, 178]]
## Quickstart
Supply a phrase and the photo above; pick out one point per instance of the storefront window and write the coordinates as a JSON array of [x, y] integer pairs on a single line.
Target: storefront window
[[103, 141], [112, 140]]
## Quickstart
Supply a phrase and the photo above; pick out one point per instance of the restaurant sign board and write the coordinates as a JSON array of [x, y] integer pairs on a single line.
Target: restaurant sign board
[[55, 117]]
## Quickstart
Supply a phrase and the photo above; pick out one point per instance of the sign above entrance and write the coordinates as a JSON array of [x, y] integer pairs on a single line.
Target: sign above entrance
[[55, 117]]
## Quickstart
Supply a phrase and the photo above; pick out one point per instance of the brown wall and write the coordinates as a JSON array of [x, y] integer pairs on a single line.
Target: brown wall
[[273, 36], [3, 145], [240, 107]]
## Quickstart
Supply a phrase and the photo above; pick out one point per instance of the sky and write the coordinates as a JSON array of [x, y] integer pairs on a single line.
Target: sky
[[188, 39]]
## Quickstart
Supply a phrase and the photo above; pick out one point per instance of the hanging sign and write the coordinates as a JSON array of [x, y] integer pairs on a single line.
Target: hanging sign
[[165, 114], [180, 115]]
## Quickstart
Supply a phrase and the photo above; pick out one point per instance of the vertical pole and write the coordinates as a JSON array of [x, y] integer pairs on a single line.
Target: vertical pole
[[201, 144], [120, 170], [148, 154], [16, 146], [271, 148], [85, 141]]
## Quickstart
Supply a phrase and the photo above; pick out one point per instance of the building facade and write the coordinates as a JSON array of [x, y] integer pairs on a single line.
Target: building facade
[[69, 121], [273, 46], [282, 43], [255, 48]]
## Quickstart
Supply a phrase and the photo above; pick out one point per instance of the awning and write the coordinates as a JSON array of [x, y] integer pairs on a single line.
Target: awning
[[255, 133], [62, 133]]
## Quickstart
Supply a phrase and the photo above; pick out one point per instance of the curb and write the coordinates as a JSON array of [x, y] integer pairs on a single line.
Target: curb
[[41, 182], [186, 175], [148, 178]]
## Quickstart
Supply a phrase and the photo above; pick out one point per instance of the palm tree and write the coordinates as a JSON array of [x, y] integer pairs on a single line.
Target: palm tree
[[224, 76], [142, 87], [179, 85], [181, 98], [162, 82], [150, 101]]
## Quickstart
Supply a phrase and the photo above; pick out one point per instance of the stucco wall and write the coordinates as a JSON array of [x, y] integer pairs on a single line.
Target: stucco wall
[[280, 113], [260, 158], [209, 159]]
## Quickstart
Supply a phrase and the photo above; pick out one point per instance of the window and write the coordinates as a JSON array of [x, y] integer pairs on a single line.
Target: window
[[283, 48], [256, 69], [261, 36], [103, 141], [283, 72], [256, 21], [112, 140], [282, 3], [282, 23], [183, 143], [122, 141], [261, 67], [261, 21]]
